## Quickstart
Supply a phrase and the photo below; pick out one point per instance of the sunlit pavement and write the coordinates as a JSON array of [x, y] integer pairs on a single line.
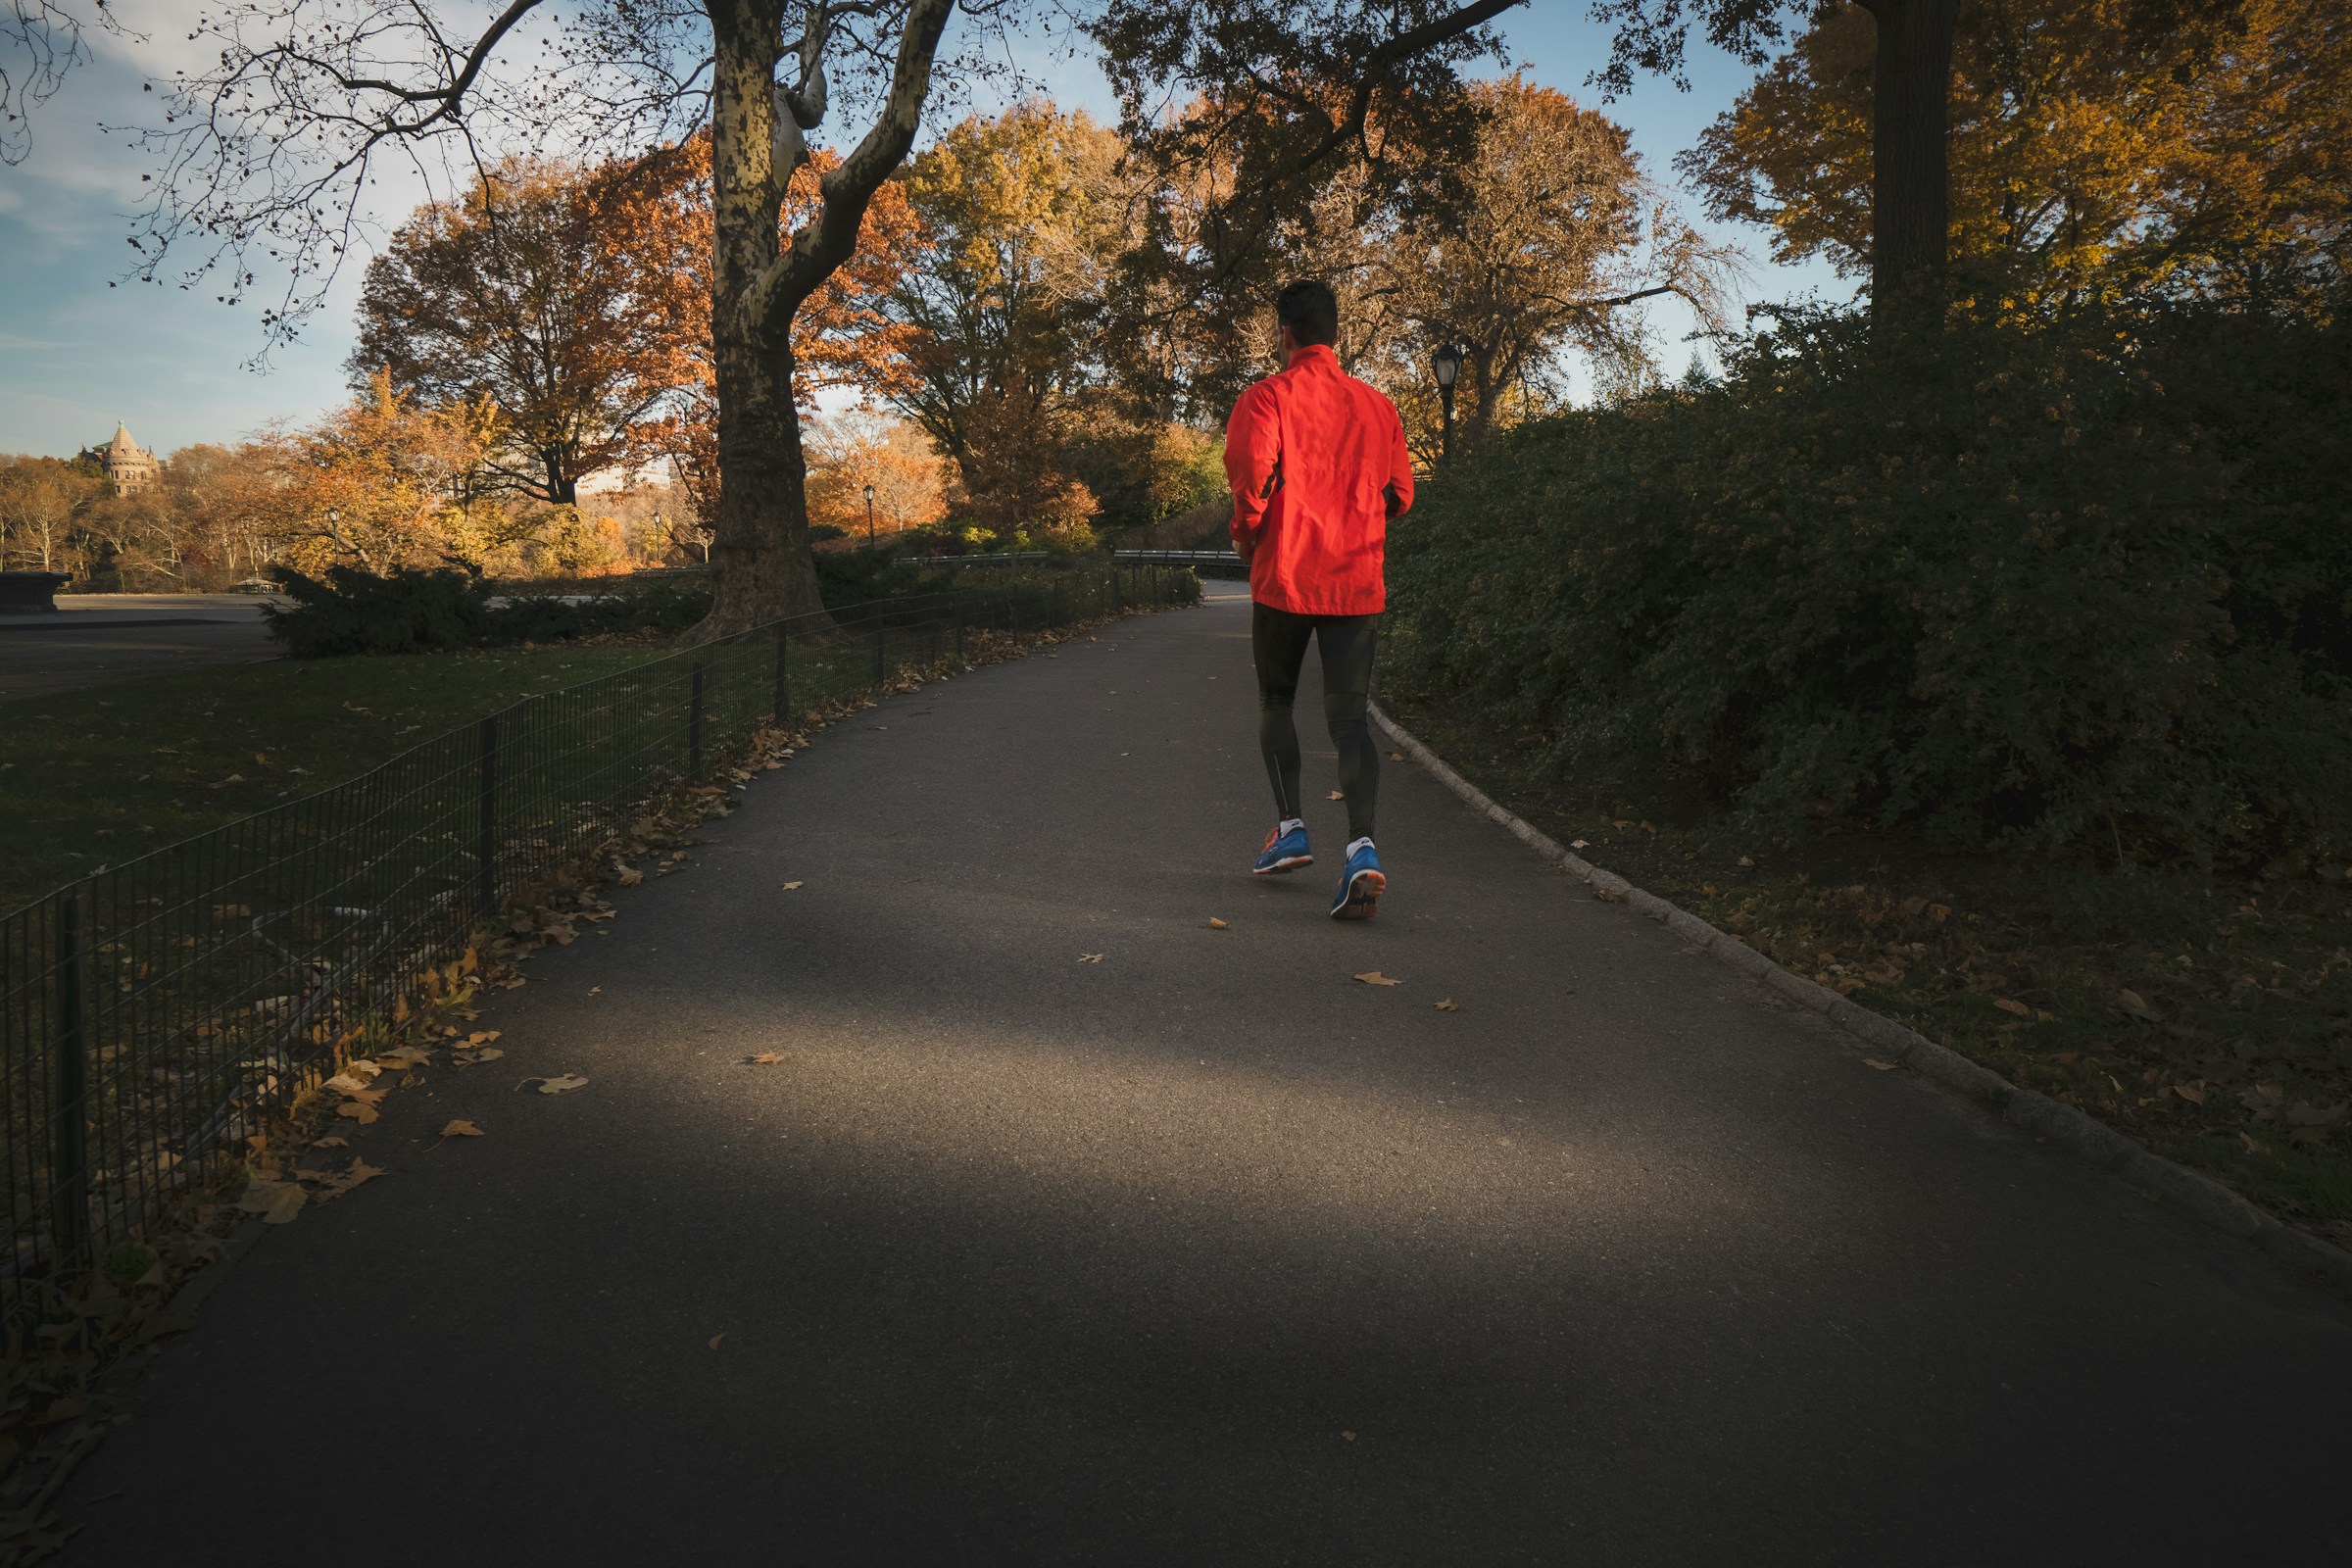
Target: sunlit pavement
[[1205, 1253]]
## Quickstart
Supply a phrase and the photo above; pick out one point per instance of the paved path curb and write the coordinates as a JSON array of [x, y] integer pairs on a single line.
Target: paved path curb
[[2084, 1136]]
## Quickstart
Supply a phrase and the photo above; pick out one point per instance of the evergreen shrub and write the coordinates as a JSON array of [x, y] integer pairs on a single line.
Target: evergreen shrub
[[2076, 584]]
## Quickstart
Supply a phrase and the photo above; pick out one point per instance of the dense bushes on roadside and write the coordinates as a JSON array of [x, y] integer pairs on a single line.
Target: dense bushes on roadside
[[2089, 583], [411, 610]]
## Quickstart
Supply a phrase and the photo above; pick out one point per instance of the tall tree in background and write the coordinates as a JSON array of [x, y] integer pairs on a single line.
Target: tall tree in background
[[1020, 218], [532, 290], [1241, 116], [841, 336], [1552, 239], [2091, 156], [267, 153]]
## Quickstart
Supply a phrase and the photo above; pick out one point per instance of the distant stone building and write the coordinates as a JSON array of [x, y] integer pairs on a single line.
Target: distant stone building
[[131, 468]]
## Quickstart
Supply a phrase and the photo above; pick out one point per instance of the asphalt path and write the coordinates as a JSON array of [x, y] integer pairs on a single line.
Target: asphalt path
[[1207, 1253], [93, 639]]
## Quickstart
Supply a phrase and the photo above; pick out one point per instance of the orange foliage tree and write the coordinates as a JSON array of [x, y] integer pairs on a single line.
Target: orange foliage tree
[[841, 336]]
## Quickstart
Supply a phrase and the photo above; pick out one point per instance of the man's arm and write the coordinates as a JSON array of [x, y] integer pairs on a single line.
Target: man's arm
[[1252, 466], [1398, 491]]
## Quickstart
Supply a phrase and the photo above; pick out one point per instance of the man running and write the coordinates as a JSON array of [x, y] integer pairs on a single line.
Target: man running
[[1317, 463]]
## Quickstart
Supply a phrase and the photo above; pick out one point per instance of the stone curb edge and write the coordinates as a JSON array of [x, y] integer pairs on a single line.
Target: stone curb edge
[[2061, 1124]]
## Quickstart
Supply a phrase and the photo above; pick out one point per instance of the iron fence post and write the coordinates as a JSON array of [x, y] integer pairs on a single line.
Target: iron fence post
[[783, 643], [68, 1180], [694, 726], [486, 784]]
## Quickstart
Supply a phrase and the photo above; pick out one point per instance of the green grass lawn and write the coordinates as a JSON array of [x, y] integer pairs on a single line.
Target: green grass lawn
[[2210, 1017], [99, 777]]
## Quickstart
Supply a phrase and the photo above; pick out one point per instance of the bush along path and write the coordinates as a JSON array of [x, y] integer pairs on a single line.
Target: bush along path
[[960, 1158], [68, 1370]]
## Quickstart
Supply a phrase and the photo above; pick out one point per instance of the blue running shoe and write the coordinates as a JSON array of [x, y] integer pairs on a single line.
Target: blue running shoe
[[1360, 887], [1284, 852]]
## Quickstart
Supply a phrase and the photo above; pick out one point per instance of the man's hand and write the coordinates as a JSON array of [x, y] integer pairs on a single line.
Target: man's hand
[[1393, 501], [1244, 548]]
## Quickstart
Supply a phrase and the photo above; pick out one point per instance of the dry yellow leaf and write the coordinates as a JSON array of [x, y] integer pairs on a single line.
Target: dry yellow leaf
[[276, 1202], [791, 886], [714, 1339], [357, 1111], [1374, 977], [1090, 957], [2009, 1005], [558, 1085], [1337, 795], [1447, 1006], [1883, 1066], [767, 1058], [2133, 1004], [461, 1129], [628, 876], [2188, 1092], [1215, 924], [331, 1142]]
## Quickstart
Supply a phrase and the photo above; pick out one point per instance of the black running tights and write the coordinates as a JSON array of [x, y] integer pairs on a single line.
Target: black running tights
[[1278, 640]]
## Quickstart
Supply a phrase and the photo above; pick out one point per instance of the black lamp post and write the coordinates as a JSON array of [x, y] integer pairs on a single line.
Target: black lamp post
[[869, 516], [1448, 364]]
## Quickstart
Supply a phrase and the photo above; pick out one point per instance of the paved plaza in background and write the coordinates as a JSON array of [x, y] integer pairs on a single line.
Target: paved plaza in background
[[94, 639], [1205, 1252]]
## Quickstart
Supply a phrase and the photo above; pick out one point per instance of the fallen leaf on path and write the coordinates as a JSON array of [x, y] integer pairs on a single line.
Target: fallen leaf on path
[[714, 1339], [466, 1058], [345, 1083], [628, 876], [596, 991], [1396, 756], [1581, 844], [358, 1111], [1215, 924], [1608, 895], [1090, 957], [2009, 1005], [765, 1058], [276, 1202], [1374, 977], [404, 1058], [558, 1085], [1337, 795], [1748, 863], [2195, 1096], [790, 886], [461, 1129], [331, 1142], [481, 1037], [2135, 1006], [2253, 1145], [337, 1183], [1883, 1066], [1349, 1436], [1447, 1006]]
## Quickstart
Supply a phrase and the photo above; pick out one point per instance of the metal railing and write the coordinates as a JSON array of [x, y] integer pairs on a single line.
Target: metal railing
[[155, 1013], [1207, 562]]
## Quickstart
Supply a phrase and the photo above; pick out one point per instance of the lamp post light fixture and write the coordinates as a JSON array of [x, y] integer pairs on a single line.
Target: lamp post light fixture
[[1447, 364], [334, 528], [869, 516]]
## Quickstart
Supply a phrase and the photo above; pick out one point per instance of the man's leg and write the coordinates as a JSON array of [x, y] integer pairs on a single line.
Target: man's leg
[[1349, 644], [1278, 644]]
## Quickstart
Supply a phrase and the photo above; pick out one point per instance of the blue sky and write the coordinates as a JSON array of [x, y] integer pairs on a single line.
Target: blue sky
[[76, 354]]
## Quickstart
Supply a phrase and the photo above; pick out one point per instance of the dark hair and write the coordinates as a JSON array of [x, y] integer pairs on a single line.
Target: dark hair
[[1311, 311]]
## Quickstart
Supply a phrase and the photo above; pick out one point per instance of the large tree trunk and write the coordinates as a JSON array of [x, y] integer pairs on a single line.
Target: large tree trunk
[[1910, 174], [764, 571]]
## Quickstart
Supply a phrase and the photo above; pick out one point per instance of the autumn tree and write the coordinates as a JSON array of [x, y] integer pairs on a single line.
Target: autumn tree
[[265, 153], [2090, 156], [844, 335], [39, 500], [1551, 239], [533, 291], [850, 452]]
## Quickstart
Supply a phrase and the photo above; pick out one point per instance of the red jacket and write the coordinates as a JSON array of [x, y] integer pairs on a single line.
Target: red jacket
[[1308, 453]]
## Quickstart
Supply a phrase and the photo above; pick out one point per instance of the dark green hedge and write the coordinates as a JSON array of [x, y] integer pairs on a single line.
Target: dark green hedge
[[2089, 583]]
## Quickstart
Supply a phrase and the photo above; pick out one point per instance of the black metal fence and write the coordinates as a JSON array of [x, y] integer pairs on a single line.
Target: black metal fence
[[155, 1013]]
